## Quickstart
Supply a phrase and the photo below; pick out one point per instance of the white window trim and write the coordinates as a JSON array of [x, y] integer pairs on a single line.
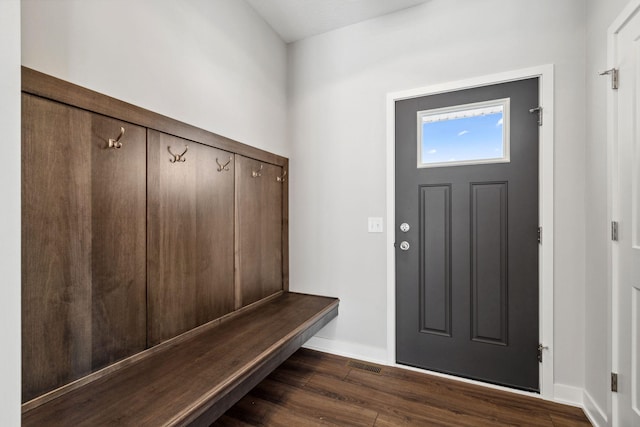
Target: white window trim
[[504, 103]]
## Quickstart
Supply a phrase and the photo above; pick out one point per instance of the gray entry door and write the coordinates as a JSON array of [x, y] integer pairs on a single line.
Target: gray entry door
[[467, 273]]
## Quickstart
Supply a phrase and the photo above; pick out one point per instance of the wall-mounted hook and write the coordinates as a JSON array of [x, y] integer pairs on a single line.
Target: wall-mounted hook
[[282, 178], [115, 143], [224, 167], [257, 173], [177, 157]]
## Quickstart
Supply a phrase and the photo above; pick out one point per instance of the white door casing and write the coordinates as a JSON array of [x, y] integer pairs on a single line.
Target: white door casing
[[546, 173], [624, 180]]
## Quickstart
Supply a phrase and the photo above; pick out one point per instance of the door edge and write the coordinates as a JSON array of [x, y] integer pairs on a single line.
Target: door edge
[[613, 197]]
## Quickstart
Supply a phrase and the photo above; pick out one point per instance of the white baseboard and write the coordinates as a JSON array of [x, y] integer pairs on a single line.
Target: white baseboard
[[567, 394], [347, 349], [596, 415]]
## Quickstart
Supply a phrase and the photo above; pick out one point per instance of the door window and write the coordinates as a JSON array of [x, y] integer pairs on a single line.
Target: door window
[[464, 134]]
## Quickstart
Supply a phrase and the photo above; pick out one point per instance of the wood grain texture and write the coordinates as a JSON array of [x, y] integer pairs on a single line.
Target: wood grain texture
[[190, 237], [56, 245], [180, 385], [258, 225], [109, 370], [43, 85], [313, 389], [118, 242], [83, 244]]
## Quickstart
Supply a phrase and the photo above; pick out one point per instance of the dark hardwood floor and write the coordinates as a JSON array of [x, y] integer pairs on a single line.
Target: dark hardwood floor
[[313, 388]]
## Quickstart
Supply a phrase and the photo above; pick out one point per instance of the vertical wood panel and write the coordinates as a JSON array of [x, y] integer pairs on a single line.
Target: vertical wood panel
[[435, 259], [83, 244], [489, 262], [171, 226], [118, 242], [190, 237], [258, 231], [56, 245], [214, 238]]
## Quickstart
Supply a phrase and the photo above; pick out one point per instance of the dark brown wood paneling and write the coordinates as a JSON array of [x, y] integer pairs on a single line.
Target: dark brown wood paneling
[[258, 230], [489, 262], [56, 245], [190, 236], [214, 238], [83, 244], [435, 259], [171, 228], [43, 85], [118, 241]]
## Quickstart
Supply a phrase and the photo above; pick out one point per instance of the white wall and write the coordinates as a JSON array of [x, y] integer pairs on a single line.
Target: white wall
[[338, 84], [600, 14], [10, 213], [214, 64]]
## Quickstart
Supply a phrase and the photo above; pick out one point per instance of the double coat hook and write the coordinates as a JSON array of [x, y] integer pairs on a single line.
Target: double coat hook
[[224, 167], [115, 143], [177, 157], [257, 173]]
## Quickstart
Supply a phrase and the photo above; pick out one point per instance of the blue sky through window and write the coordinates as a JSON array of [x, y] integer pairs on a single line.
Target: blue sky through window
[[463, 138]]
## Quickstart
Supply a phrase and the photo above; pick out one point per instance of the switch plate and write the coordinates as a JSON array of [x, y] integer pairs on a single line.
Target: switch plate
[[375, 225]]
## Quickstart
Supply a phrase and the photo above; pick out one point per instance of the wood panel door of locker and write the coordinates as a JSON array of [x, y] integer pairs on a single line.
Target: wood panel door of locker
[[190, 235], [83, 243], [258, 230]]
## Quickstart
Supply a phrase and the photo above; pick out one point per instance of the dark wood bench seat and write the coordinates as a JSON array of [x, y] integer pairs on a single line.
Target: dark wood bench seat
[[193, 380]]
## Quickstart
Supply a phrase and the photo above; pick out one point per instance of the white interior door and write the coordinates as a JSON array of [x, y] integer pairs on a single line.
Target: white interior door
[[626, 211]]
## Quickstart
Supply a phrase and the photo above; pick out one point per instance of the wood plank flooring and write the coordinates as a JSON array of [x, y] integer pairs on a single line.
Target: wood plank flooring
[[313, 388]]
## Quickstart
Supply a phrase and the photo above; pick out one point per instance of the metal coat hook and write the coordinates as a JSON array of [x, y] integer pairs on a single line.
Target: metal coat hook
[[257, 173], [115, 143], [224, 167], [177, 157], [282, 178]]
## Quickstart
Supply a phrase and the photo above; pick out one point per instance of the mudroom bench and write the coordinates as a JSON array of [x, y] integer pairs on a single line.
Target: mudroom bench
[[194, 378], [155, 264]]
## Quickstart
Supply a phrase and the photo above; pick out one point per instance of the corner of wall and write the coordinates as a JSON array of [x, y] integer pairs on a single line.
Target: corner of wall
[[349, 350], [568, 394], [10, 212], [596, 415]]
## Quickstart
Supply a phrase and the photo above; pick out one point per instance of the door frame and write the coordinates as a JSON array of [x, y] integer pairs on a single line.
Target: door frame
[[613, 197], [546, 180]]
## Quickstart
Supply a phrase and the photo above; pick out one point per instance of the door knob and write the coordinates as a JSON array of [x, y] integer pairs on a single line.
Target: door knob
[[404, 246]]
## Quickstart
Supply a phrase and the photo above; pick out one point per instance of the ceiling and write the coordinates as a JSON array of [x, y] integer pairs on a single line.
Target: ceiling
[[298, 19]]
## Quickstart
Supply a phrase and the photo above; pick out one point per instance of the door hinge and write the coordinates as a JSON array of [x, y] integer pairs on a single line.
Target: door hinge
[[539, 111], [615, 77], [540, 235], [614, 382], [540, 348], [614, 231]]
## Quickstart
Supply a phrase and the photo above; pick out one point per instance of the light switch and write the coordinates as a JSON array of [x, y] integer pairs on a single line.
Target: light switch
[[375, 225]]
